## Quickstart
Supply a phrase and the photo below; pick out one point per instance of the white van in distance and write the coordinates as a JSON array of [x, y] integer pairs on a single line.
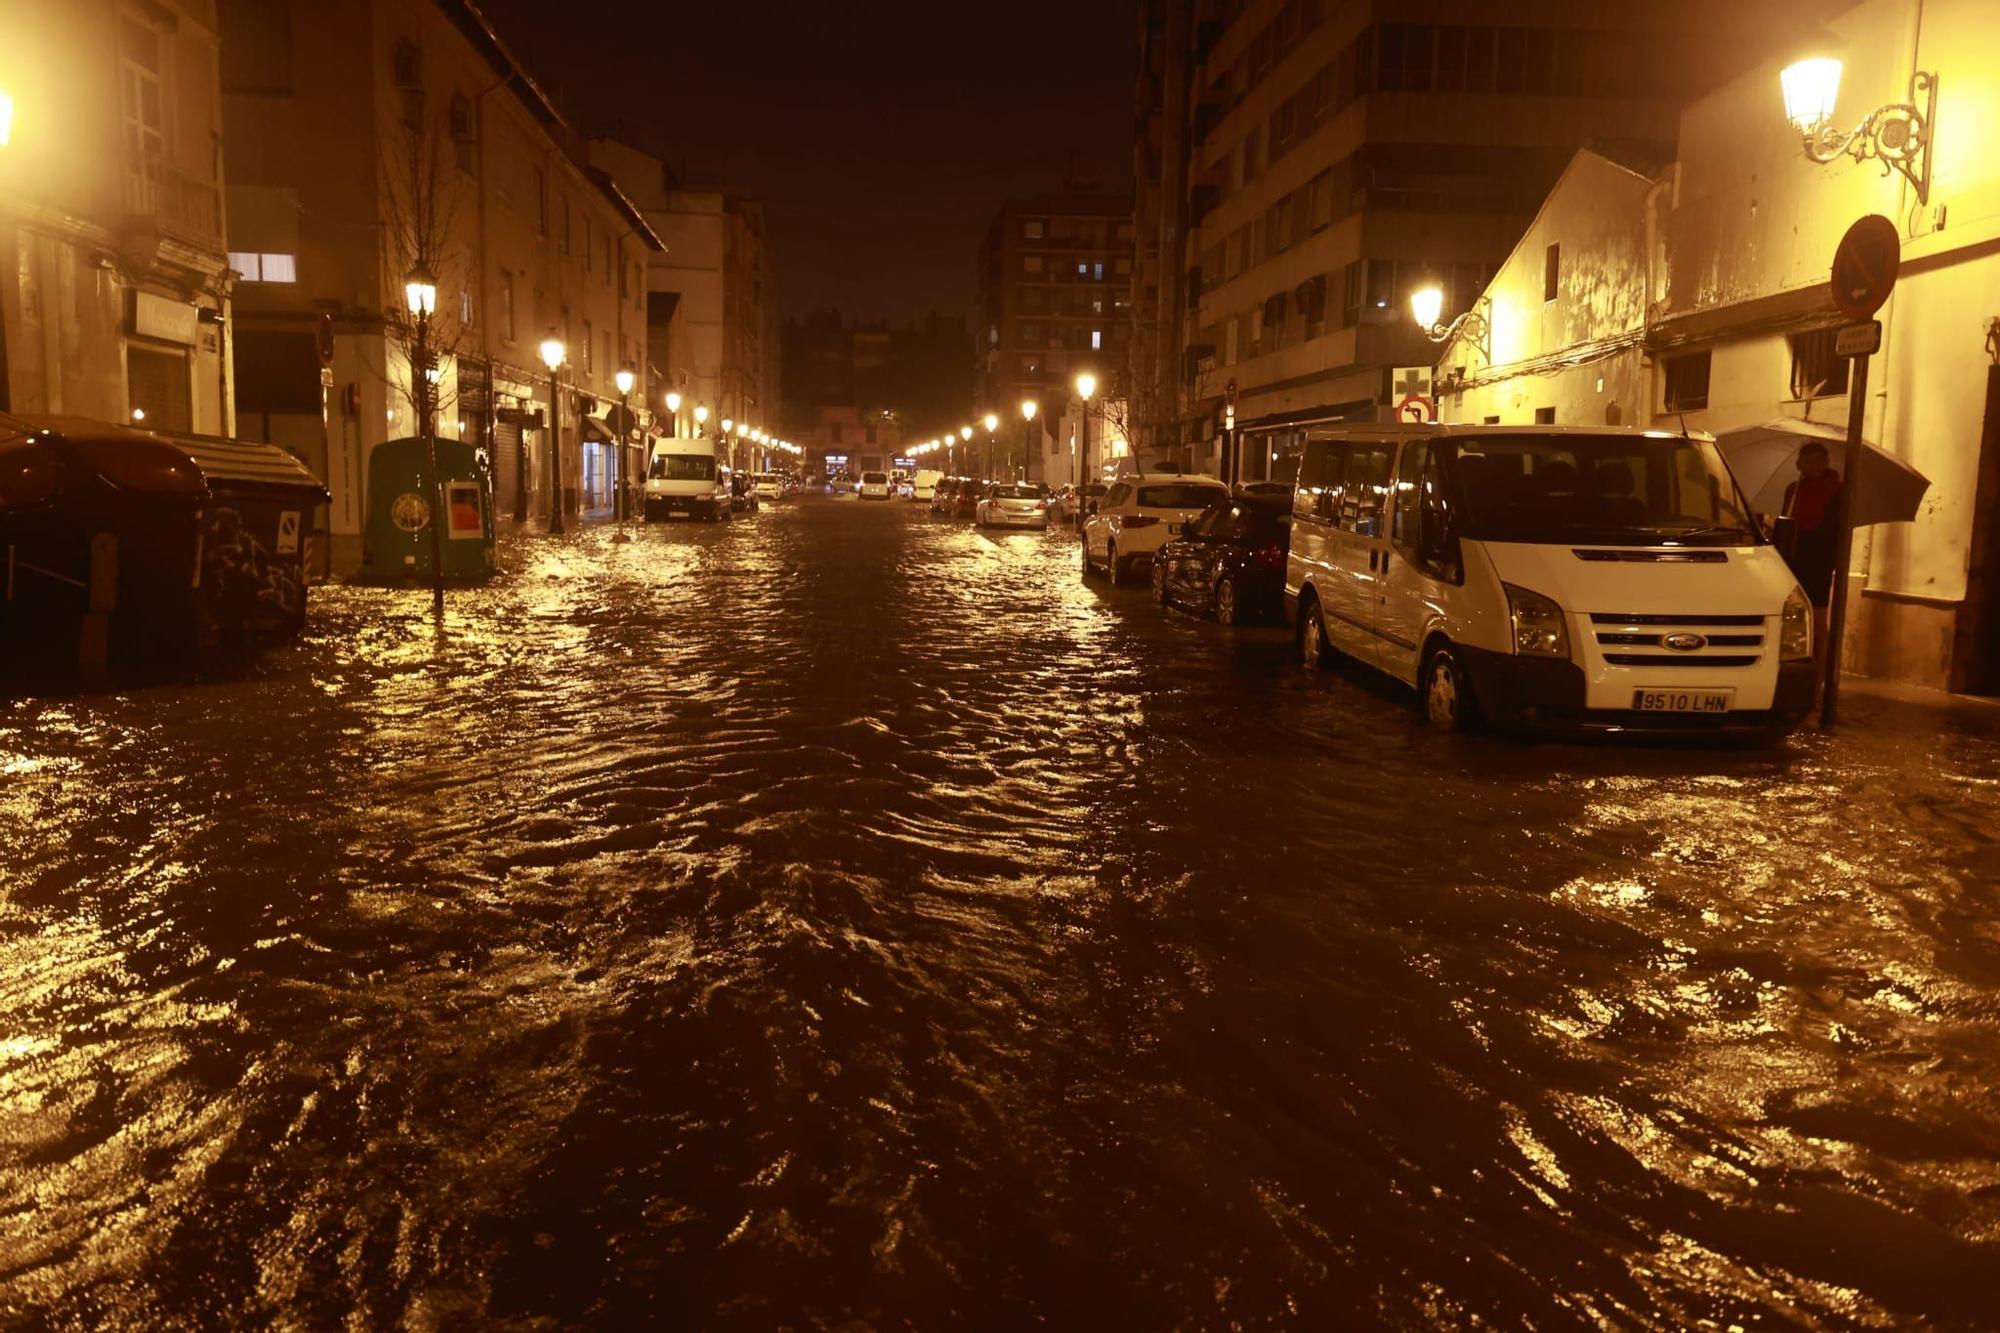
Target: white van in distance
[[684, 478], [924, 485], [1547, 577]]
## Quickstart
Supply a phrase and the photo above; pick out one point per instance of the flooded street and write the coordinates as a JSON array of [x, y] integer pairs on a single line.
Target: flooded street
[[844, 917]]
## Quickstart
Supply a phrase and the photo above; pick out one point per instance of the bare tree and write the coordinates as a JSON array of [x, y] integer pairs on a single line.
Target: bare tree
[[422, 193]]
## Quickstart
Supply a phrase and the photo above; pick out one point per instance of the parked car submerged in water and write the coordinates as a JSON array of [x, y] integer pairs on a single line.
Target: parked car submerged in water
[[1017, 504], [1229, 562], [1138, 515]]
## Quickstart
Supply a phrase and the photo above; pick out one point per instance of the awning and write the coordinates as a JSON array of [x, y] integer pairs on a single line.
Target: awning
[[161, 462]]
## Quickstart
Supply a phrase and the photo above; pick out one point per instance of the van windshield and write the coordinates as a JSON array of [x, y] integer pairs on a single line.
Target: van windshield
[[1612, 490], [682, 467]]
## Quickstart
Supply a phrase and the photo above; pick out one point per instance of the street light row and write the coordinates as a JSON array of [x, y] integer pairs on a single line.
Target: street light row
[[1086, 388]]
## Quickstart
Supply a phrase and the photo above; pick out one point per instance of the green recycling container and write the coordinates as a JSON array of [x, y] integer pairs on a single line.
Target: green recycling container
[[397, 544]]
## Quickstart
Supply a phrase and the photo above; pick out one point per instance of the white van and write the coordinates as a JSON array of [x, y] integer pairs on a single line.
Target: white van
[[1548, 577], [924, 485], [684, 478]]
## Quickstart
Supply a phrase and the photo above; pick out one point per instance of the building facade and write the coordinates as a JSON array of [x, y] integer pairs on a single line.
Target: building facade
[[1702, 298], [386, 134], [1340, 155], [716, 278], [115, 291], [1055, 290]]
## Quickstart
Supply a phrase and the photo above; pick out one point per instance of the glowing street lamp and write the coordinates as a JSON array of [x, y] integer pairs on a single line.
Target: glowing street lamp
[[1426, 304], [553, 356], [1897, 134], [1086, 389], [6, 117]]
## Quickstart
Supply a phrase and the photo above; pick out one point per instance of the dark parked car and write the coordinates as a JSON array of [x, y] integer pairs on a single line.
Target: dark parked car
[[1230, 561], [945, 497], [966, 505]]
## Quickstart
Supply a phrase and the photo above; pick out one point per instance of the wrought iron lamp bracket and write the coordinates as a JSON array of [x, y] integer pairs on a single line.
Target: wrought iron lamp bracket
[[1896, 135]]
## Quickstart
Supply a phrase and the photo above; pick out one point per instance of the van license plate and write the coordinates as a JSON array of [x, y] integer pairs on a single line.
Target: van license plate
[[1682, 701]]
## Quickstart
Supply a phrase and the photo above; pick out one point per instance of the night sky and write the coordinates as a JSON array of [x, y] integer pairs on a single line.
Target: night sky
[[882, 136]]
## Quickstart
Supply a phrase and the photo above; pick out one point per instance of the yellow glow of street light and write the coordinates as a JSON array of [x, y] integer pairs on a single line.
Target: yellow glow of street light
[[420, 291], [673, 401], [992, 423], [1426, 304], [1811, 87], [6, 117], [1029, 407], [553, 352], [965, 432], [1086, 386], [701, 417], [625, 379]]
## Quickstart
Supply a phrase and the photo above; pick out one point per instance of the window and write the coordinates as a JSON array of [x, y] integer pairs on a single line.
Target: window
[[1403, 531], [1034, 229], [1545, 416], [1096, 339], [256, 267], [609, 263], [1097, 272], [1551, 271], [1350, 294], [140, 99], [465, 307], [1367, 487], [565, 222], [1687, 382], [409, 65], [1816, 371], [1031, 263], [589, 250], [507, 305], [541, 188], [586, 347]]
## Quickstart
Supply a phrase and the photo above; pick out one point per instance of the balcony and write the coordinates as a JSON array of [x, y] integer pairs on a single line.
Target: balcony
[[162, 195]]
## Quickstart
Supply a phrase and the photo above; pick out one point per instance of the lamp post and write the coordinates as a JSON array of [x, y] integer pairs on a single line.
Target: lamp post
[[625, 378], [1086, 388], [1028, 408], [553, 355], [420, 294]]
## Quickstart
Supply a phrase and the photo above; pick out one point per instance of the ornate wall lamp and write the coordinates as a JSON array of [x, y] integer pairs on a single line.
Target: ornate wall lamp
[[1897, 134], [1476, 324]]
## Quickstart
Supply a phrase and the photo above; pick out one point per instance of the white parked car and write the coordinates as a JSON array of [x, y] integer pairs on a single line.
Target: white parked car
[[1548, 577], [770, 486], [1139, 515], [875, 486], [1013, 504]]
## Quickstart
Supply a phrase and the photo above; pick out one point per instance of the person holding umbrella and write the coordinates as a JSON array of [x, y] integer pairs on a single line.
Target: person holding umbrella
[[1812, 506]]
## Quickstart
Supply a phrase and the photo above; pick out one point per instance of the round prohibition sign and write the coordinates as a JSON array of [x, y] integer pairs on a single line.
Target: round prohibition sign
[[1865, 266], [1414, 410]]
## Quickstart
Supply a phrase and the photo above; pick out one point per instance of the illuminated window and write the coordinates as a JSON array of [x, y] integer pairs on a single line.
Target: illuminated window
[[260, 267]]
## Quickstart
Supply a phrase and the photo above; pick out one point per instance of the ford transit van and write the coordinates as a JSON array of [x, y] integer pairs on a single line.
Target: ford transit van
[[1548, 577]]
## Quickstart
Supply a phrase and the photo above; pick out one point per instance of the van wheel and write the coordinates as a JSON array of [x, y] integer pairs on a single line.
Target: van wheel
[[1226, 610], [1447, 698], [1314, 649], [1111, 563]]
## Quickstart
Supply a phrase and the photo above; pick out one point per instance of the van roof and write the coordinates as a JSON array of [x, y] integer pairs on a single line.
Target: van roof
[[1418, 430]]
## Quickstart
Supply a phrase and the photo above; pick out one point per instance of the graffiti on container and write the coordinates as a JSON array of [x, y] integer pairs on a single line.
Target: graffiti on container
[[247, 590]]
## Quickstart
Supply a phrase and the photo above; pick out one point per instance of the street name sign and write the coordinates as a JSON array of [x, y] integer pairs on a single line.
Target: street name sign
[[1865, 266], [1859, 339]]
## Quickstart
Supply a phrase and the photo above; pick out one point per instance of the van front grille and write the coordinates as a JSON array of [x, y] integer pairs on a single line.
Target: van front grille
[[1609, 618], [1695, 659]]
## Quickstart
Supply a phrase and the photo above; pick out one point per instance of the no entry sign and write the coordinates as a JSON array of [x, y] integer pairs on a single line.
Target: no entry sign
[[1865, 265]]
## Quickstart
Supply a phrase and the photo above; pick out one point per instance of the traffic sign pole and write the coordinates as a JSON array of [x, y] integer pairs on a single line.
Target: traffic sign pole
[[1864, 271], [1857, 413]]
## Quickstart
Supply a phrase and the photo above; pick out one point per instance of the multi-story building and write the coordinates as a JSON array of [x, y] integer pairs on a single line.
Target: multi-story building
[[1340, 155], [717, 277], [1055, 289], [114, 279], [372, 137], [1698, 297]]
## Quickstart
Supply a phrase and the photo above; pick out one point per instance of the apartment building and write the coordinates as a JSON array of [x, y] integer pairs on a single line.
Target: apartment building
[[1342, 154], [1055, 290], [375, 135], [716, 278], [114, 278]]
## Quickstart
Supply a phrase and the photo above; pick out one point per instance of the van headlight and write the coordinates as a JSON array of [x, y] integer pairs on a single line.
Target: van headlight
[[1795, 628], [1539, 627]]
